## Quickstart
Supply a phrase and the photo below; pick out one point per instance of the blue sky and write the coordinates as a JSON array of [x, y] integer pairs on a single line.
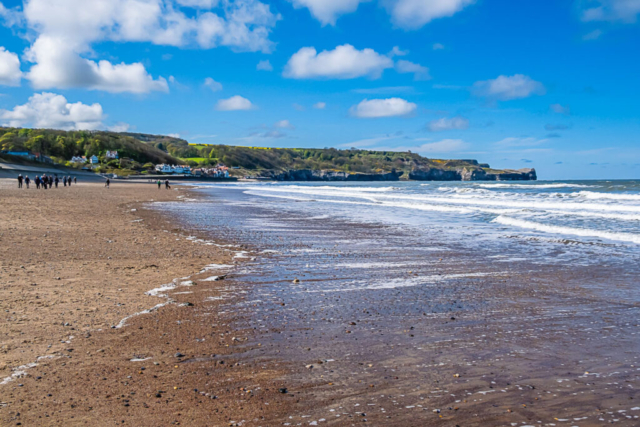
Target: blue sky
[[547, 84]]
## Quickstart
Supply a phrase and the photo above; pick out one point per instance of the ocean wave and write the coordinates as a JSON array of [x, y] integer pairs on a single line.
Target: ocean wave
[[557, 229], [534, 186], [608, 196]]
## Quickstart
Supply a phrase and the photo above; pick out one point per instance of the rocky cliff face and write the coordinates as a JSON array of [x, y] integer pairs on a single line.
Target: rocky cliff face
[[472, 174]]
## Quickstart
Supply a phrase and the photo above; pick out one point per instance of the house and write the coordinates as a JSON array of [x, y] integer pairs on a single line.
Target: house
[[94, 160], [78, 159], [179, 169], [111, 155]]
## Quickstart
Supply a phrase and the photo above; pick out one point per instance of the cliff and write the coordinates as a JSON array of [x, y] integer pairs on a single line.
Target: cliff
[[472, 174]]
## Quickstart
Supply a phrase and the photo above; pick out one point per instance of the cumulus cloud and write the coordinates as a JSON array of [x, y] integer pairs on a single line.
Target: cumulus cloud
[[505, 88], [49, 110], [396, 51], [377, 108], [413, 14], [284, 124], [264, 66], [10, 74], [212, 84], [612, 10], [235, 103], [344, 62], [65, 31], [320, 105], [560, 109], [58, 66], [443, 124], [119, 127], [11, 17], [419, 72], [328, 11]]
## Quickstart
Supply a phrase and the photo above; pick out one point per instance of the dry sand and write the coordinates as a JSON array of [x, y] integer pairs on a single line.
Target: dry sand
[[75, 262]]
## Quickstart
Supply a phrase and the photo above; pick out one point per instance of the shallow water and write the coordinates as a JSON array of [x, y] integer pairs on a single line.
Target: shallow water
[[400, 286]]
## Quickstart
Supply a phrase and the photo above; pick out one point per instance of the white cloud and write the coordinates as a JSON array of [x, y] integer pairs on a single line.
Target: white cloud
[[212, 84], [174, 135], [264, 66], [58, 66], [344, 62], [593, 35], [328, 11], [284, 124], [200, 4], [235, 103], [419, 72], [438, 46], [320, 105], [10, 74], [11, 17], [444, 146], [376, 108], [396, 51], [560, 109], [612, 10], [454, 123], [120, 127], [506, 88], [49, 110], [413, 14], [66, 30]]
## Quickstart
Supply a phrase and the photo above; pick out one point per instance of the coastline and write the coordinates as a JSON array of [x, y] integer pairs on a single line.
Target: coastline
[[78, 265]]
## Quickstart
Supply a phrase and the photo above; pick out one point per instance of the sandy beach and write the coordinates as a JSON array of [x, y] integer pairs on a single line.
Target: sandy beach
[[75, 265], [201, 311]]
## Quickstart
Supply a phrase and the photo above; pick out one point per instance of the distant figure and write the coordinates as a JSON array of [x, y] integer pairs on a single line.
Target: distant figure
[[27, 181], [37, 182], [69, 180], [106, 184], [57, 181], [20, 181], [159, 184], [64, 181], [43, 181], [166, 184], [75, 180]]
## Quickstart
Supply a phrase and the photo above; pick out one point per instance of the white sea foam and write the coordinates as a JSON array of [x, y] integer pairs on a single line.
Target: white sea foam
[[609, 196], [555, 229], [534, 186]]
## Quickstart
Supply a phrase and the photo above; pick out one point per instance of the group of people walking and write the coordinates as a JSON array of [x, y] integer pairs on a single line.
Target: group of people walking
[[46, 181]]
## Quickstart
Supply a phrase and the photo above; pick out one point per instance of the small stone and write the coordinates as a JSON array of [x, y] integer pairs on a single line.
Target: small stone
[[283, 390], [179, 355]]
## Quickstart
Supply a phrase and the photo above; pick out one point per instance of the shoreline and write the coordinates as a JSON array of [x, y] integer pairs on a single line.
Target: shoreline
[[89, 341]]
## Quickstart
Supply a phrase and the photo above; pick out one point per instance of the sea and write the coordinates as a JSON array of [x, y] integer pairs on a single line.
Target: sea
[[407, 283]]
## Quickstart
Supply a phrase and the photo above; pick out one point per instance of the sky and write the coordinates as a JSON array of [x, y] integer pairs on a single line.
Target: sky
[[550, 84]]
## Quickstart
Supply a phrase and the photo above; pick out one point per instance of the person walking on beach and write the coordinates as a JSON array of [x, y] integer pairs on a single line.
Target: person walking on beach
[[75, 180], [166, 184], [69, 180], [43, 181], [159, 184], [57, 181], [37, 182], [106, 184], [64, 181], [27, 181], [20, 181]]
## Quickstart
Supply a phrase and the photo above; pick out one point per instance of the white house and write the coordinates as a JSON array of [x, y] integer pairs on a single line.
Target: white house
[[180, 169], [94, 160], [78, 159], [111, 155]]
